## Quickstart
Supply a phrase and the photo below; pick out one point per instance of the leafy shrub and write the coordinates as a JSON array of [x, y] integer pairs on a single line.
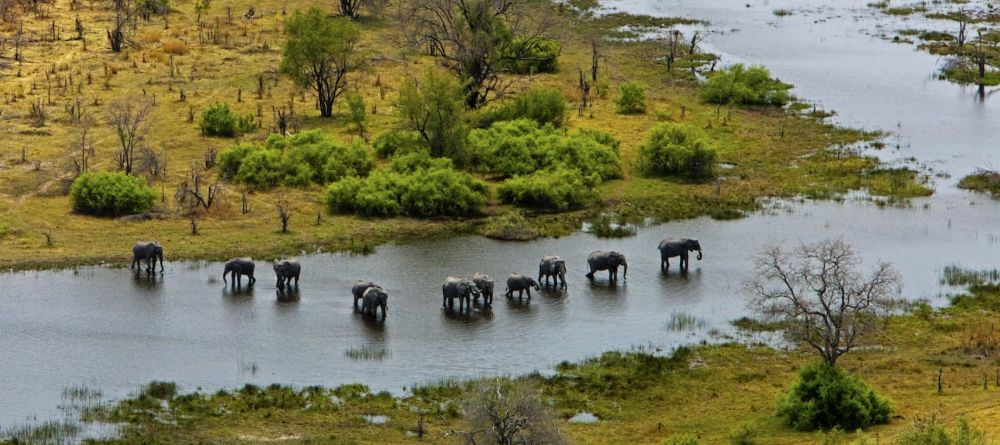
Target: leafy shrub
[[932, 432], [398, 142], [746, 434], [521, 147], [415, 185], [356, 109], [631, 99], [825, 397], [675, 149], [305, 158], [435, 109], [543, 105], [219, 120], [681, 439], [745, 86], [534, 55], [510, 226], [549, 189], [110, 193]]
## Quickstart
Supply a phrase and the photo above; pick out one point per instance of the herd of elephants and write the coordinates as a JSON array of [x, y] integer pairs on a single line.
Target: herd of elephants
[[466, 291]]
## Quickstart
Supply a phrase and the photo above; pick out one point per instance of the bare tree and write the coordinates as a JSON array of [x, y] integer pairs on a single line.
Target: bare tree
[[131, 121], [963, 23], [82, 147], [352, 8], [193, 198], [124, 16], [476, 39], [509, 412], [821, 298], [284, 213]]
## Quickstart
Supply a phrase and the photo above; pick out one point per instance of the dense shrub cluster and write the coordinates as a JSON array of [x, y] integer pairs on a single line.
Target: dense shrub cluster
[[398, 142], [631, 99], [543, 105], [558, 189], [522, 147], [308, 157], [678, 150], [825, 397], [741, 85], [110, 194], [533, 55], [415, 185], [219, 120]]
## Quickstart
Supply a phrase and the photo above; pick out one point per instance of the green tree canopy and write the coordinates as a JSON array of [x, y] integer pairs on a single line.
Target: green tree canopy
[[320, 52]]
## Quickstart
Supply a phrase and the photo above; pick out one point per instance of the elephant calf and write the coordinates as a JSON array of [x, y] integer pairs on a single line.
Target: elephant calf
[[679, 247], [239, 267], [147, 251], [286, 271], [552, 267], [359, 288], [373, 299], [520, 283], [485, 285], [461, 288], [608, 261]]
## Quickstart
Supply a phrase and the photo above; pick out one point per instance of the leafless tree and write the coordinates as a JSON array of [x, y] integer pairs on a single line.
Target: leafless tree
[[151, 162], [131, 120], [82, 147], [284, 213], [193, 198], [509, 412], [963, 23], [124, 16], [352, 8], [475, 39], [672, 48], [821, 298]]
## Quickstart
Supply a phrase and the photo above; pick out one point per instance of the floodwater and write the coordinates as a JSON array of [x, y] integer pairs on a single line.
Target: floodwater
[[103, 328]]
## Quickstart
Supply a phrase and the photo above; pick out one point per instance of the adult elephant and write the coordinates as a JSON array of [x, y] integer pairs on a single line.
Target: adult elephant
[[672, 247], [461, 288], [147, 251], [359, 288], [373, 299], [552, 267], [485, 285], [609, 261], [286, 270], [520, 283], [239, 267]]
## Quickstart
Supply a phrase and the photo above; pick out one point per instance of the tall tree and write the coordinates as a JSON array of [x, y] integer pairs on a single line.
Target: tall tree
[[820, 297], [476, 39], [320, 53], [131, 121], [433, 108]]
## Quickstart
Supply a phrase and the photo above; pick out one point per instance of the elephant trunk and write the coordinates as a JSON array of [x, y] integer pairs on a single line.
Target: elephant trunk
[[161, 262], [699, 254], [625, 273], [224, 273]]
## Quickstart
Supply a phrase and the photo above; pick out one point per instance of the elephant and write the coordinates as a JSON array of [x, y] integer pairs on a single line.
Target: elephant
[[485, 285], [520, 283], [554, 267], [239, 267], [286, 270], [672, 247], [608, 261], [461, 288], [374, 298], [359, 288], [148, 251]]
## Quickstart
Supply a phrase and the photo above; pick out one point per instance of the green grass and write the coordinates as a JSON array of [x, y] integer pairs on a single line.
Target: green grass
[[984, 181]]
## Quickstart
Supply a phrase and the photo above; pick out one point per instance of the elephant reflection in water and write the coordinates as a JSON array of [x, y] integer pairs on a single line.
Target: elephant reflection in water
[[287, 295]]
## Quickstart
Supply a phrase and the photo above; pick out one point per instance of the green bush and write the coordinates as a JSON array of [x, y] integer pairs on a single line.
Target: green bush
[[825, 397], [435, 108], [110, 194], [932, 432], [298, 161], [746, 434], [631, 98], [681, 439], [398, 142], [414, 185], [745, 86], [543, 105], [356, 109], [521, 147], [559, 189], [679, 150], [219, 120], [533, 55]]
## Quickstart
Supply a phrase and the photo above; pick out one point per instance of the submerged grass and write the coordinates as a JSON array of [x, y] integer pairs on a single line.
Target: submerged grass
[[682, 321], [367, 352]]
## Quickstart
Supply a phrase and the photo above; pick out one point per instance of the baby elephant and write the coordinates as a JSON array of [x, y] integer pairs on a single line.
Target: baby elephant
[[485, 285], [359, 288], [374, 298], [286, 270], [520, 283]]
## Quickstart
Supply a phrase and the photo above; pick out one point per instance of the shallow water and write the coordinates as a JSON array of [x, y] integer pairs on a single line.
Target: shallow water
[[105, 329]]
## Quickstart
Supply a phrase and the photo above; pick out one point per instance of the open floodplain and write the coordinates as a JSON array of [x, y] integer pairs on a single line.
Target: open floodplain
[[111, 330]]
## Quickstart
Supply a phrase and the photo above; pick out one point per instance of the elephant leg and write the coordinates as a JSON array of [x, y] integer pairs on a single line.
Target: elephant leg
[[590, 274], [529, 294], [252, 280]]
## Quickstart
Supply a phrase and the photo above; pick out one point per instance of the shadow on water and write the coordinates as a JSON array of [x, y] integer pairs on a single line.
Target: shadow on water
[[147, 283], [238, 293], [287, 295]]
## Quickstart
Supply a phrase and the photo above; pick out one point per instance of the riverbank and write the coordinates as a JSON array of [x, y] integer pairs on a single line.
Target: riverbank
[[767, 152], [641, 396]]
